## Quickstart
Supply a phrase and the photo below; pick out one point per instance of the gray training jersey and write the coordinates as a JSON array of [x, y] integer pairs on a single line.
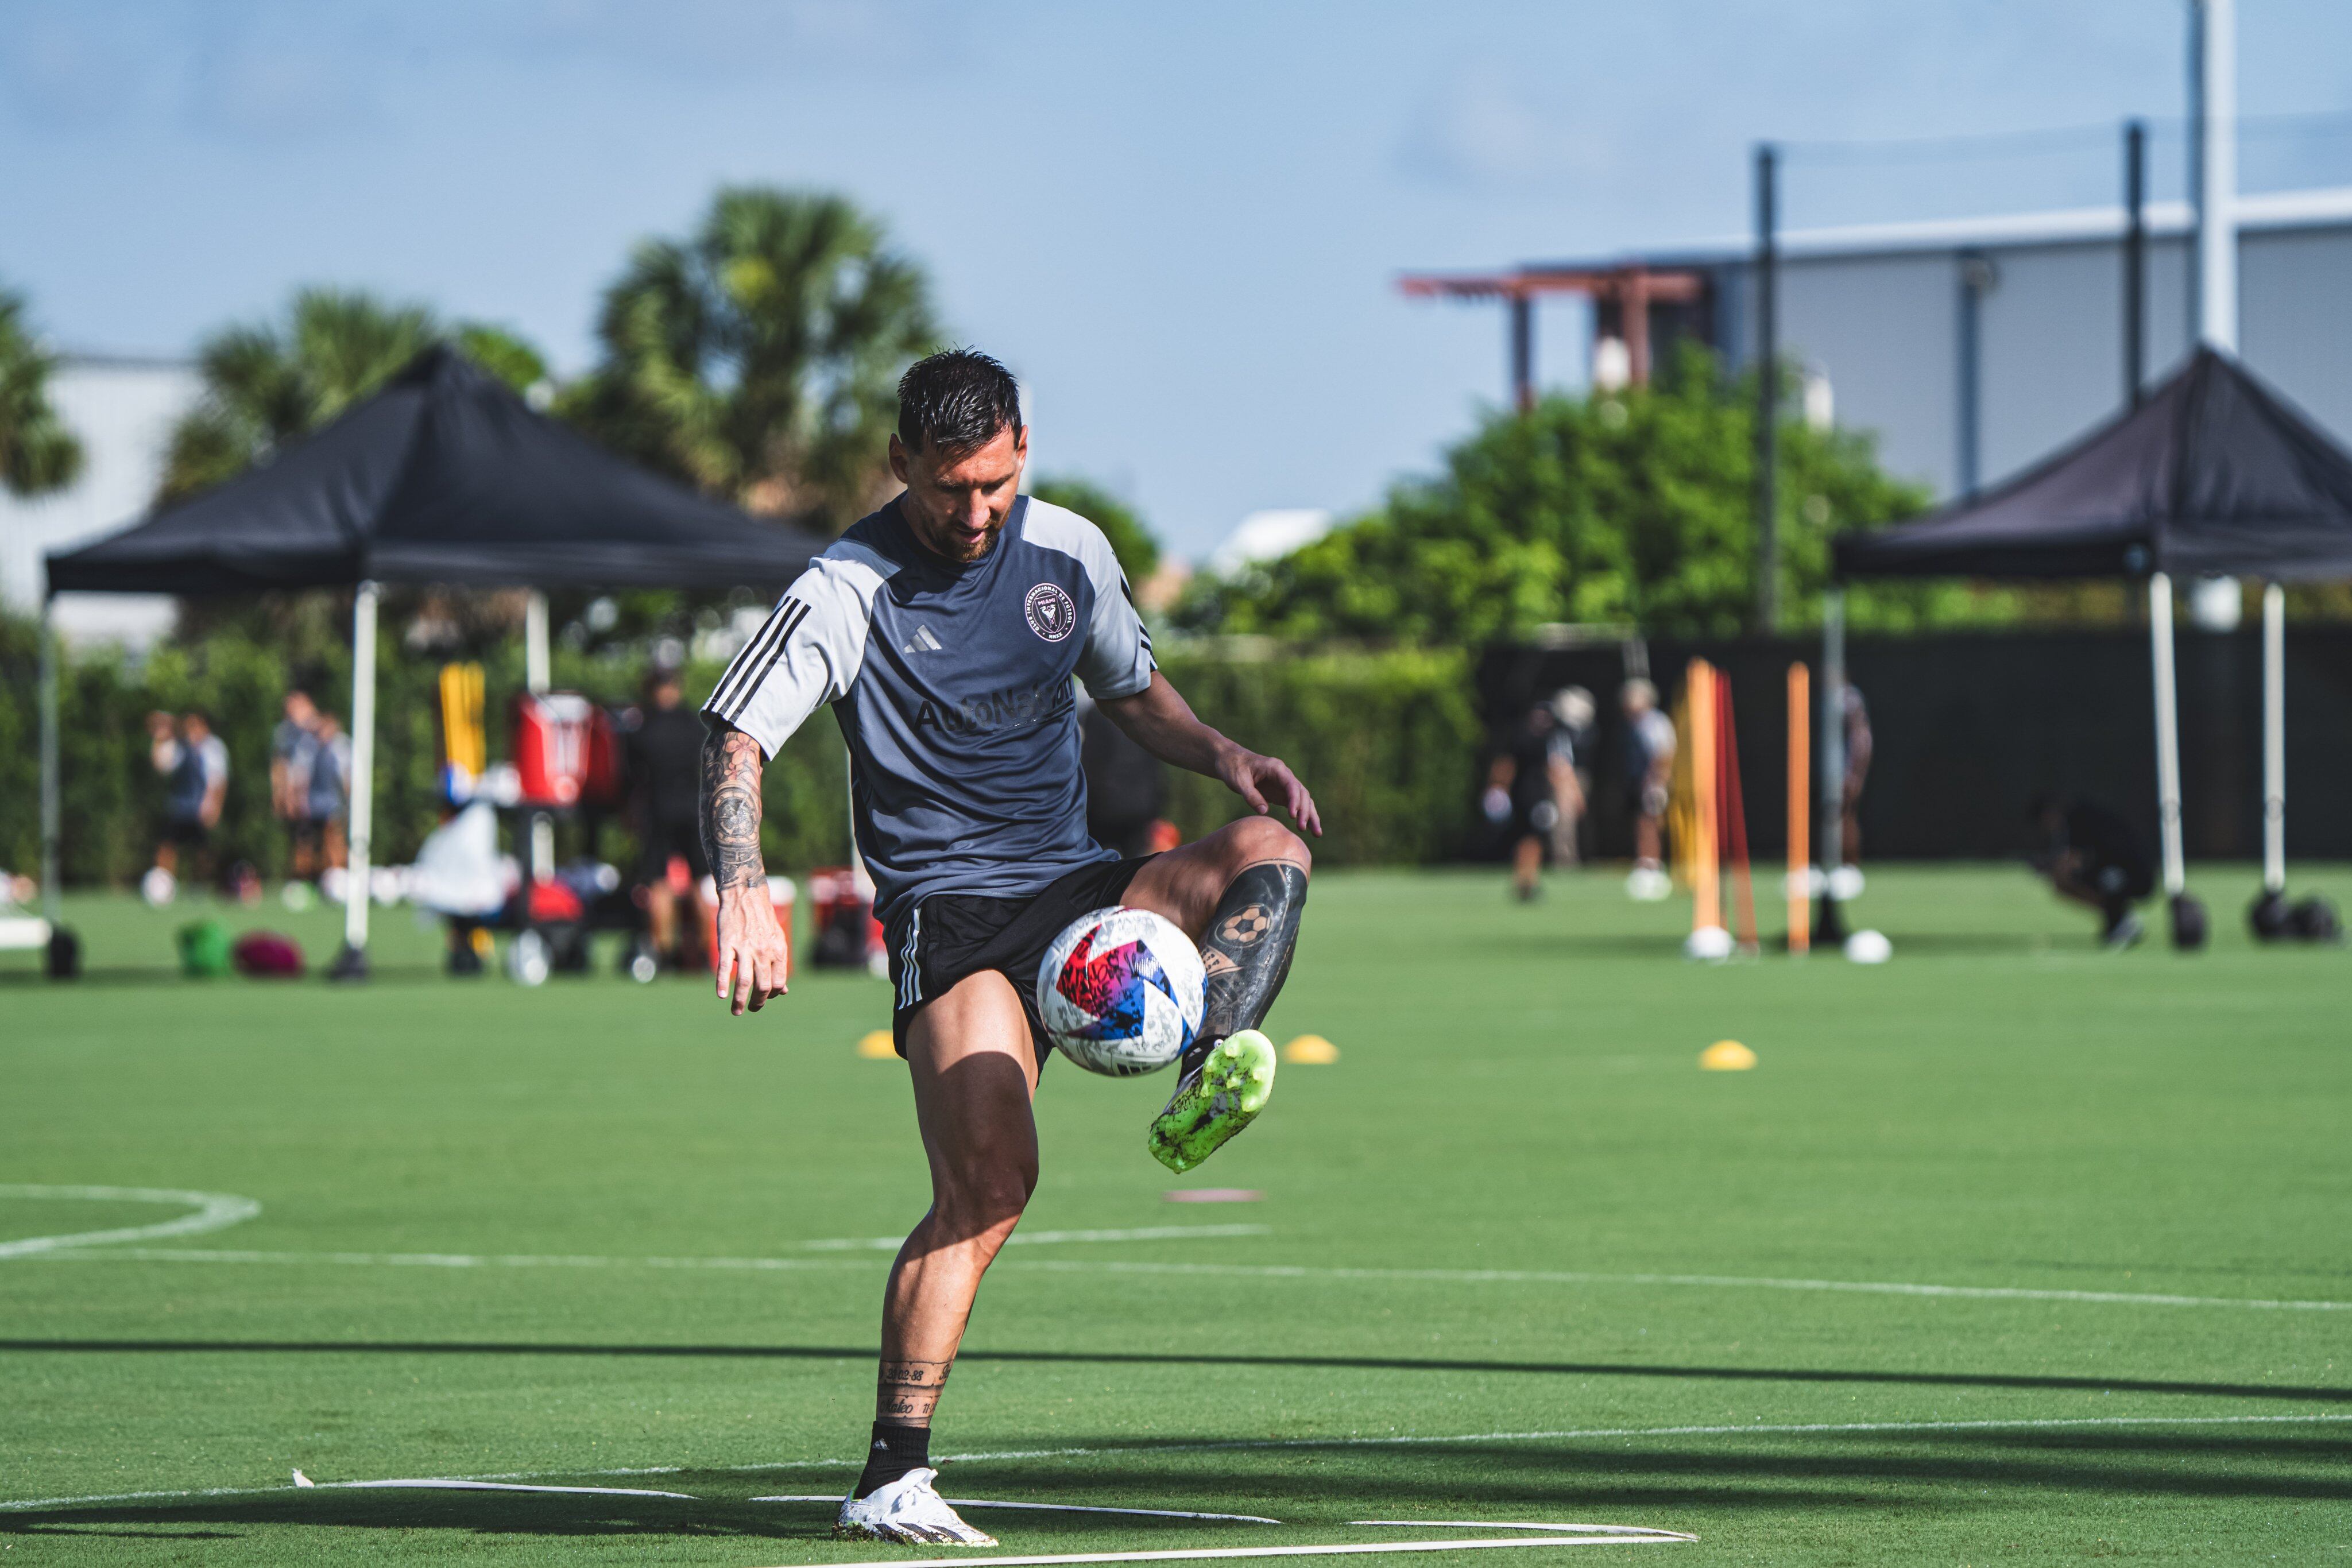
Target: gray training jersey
[[951, 685]]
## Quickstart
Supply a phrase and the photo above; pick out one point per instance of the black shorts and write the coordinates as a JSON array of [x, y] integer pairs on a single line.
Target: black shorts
[[950, 936], [189, 834], [664, 837]]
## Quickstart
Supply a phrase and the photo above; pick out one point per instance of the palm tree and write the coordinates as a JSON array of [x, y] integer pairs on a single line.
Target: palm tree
[[758, 358], [38, 453], [269, 384]]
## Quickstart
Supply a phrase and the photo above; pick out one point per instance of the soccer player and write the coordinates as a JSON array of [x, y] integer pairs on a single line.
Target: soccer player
[[944, 631], [2093, 857]]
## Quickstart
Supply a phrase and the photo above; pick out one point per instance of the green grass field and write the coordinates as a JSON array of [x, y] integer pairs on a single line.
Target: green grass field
[[1517, 1259]]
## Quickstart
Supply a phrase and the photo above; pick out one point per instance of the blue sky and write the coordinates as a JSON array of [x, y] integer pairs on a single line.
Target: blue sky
[[1181, 223]]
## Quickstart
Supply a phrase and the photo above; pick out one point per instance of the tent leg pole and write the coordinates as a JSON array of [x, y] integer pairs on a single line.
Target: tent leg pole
[[52, 801], [351, 963], [537, 672], [538, 675], [1829, 930], [2167, 732], [63, 959], [2273, 737]]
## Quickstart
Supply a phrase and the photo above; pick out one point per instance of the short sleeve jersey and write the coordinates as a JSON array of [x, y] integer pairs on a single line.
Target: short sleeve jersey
[[951, 685]]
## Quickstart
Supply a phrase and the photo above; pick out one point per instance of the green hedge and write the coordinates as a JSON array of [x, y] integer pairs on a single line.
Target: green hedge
[[1387, 742], [113, 799]]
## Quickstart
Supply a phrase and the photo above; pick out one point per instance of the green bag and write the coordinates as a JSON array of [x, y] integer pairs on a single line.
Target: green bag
[[203, 949]]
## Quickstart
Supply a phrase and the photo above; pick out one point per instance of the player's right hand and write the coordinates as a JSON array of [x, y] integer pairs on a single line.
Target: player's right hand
[[752, 955]]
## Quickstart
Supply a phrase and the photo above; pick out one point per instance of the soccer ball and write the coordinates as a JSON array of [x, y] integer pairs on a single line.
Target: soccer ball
[[1121, 991], [1868, 947]]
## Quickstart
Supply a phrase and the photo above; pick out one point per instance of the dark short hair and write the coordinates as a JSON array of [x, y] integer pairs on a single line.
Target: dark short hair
[[956, 400]]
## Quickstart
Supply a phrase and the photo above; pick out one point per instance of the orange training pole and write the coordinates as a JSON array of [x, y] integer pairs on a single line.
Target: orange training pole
[[1801, 817], [1707, 893], [1735, 811]]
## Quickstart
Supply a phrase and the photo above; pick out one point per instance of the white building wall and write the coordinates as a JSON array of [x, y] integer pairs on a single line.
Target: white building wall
[[1882, 327], [1880, 316], [2295, 318], [123, 411]]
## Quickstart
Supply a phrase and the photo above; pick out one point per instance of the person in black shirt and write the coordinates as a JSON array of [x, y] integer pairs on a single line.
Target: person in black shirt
[[1532, 771], [2093, 857], [664, 771]]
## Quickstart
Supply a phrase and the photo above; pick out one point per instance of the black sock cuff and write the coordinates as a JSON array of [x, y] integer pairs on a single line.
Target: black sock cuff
[[895, 1450], [903, 1442]]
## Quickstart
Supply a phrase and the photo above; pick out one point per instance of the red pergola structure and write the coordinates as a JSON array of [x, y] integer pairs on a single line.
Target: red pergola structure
[[1631, 288]]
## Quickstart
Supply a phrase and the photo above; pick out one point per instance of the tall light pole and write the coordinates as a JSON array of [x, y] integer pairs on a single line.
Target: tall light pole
[[2213, 131], [2134, 261], [1768, 389]]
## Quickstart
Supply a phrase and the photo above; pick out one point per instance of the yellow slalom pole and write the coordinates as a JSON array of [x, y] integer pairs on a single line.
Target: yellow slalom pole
[[1800, 779], [1707, 893]]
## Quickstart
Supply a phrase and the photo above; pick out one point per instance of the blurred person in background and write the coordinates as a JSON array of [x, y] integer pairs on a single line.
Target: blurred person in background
[[1857, 769], [194, 765], [665, 773], [1574, 708], [1524, 784], [2092, 857], [290, 762], [326, 795], [1650, 769]]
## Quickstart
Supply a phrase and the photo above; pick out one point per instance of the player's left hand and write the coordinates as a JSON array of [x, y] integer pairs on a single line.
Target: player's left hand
[[1266, 782]]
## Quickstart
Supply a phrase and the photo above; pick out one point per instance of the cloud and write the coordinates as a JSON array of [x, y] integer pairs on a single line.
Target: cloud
[[1482, 128], [62, 68], [699, 39], [277, 85]]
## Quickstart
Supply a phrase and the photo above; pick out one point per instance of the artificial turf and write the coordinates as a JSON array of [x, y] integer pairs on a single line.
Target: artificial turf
[[1515, 1205]]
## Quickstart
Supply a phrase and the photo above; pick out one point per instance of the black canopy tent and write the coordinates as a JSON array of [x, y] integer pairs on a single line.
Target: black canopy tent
[[2212, 473], [443, 477]]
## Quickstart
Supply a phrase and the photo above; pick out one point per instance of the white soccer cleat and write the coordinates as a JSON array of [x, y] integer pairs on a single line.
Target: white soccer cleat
[[907, 1510]]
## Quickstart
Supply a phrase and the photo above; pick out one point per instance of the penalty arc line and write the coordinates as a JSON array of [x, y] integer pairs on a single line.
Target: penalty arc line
[[215, 1211], [1757, 1429]]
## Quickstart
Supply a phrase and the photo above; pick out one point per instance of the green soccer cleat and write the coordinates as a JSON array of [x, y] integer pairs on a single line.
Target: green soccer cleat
[[1216, 1099]]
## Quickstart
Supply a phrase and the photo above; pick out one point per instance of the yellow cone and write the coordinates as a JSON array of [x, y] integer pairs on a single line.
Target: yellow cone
[[1312, 1049], [1726, 1056], [878, 1046]]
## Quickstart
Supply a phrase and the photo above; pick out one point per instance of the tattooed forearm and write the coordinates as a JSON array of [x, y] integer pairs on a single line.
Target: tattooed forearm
[[907, 1391], [731, 765]]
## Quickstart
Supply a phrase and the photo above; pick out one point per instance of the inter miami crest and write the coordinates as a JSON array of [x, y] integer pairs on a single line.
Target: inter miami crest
[[1052, 614]]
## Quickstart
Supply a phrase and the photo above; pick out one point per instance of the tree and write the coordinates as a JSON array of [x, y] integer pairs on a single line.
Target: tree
[[38, 453], [1632, 508], [1130, 540], [266, 383], [758, 358]]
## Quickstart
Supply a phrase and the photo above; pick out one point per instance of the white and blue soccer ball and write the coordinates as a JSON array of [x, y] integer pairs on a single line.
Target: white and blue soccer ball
[[1121, 991]]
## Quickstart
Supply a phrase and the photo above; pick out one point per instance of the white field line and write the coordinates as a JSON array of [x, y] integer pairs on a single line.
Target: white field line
[[303, 1483], [1619, 1536], [1229, 1271], [85, 1249], [833, 1499], [1731, 1282], [1048, 1237], [1577, 1434], [213, 1211]]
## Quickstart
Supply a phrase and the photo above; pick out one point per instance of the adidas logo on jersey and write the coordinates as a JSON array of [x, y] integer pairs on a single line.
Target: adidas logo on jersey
[[923, 643]]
